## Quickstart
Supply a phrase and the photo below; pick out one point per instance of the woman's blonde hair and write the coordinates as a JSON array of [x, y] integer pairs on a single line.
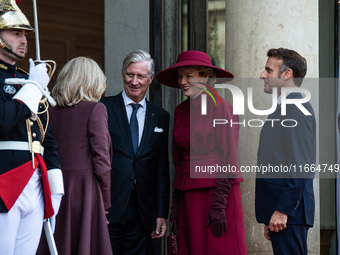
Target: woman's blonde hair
[[81, 79], [205, 71]]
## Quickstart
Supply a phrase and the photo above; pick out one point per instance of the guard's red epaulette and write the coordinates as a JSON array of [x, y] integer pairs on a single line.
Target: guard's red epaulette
[[22, 71]]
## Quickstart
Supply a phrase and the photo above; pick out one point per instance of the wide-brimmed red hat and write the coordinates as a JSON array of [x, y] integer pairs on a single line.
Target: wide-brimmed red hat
[[169, 76]]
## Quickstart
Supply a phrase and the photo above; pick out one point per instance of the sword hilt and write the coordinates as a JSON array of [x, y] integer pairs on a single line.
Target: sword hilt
[[50, 64]]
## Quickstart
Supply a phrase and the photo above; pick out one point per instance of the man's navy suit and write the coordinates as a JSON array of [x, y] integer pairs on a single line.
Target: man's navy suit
[[292, 148], [147, 171]]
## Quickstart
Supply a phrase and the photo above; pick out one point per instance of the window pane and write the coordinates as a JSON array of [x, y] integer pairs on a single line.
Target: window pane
[[216, 32]]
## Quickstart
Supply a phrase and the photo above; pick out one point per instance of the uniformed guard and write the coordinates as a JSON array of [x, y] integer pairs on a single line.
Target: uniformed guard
[[29, 164]]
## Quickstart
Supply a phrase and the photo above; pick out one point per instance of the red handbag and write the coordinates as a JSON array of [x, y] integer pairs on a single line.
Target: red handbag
[[171, 240]]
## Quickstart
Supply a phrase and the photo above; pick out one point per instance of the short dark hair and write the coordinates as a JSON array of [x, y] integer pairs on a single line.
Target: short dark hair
[[292, 60]]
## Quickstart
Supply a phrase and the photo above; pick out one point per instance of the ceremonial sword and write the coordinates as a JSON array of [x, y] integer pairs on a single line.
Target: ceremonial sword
[[47, 223]]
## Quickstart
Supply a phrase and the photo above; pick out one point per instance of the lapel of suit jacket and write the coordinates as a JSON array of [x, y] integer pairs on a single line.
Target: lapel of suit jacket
[[275, 115], [149, 125], [122, 121]]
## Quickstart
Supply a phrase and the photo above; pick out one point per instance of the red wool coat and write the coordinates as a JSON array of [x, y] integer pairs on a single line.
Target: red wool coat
[[197, 143]]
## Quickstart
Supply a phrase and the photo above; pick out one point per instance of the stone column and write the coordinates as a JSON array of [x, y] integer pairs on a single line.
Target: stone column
[[252, 28], [126, 29]]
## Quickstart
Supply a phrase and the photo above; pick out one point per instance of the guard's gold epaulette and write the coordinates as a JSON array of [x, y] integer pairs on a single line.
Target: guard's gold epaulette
[[22, 70]]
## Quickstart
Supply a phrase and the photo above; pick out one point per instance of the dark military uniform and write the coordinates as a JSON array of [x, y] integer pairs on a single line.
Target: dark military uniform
[[13, 115]]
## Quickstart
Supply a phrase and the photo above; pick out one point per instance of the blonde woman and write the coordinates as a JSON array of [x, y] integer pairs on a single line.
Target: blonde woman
[[79, 125]]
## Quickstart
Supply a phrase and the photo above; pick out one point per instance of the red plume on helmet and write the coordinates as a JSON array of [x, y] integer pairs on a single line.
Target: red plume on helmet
[[18, 1]]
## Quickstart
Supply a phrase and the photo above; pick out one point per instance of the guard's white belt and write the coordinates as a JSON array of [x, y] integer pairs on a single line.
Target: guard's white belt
[[17, 145]]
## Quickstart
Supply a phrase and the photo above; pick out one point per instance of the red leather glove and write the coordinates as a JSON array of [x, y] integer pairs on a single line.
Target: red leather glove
[[175, 208], [216, 217]]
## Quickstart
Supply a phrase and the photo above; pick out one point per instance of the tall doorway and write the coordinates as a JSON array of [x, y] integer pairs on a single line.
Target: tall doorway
[[67, 29]]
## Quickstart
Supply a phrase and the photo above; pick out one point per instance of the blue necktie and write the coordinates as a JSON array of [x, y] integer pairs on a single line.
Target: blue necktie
[[134, 126]]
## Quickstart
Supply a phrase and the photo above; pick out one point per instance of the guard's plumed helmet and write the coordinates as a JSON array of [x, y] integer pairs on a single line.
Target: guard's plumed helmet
[[11, 17]]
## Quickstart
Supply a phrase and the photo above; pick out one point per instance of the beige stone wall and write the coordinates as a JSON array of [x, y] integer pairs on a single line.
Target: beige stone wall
[[126, 29]]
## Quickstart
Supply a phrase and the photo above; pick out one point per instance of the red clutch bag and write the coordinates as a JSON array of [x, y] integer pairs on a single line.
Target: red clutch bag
[[171, 239]]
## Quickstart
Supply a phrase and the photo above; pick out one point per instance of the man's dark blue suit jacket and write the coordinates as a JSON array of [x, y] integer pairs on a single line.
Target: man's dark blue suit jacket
[[148, 168], [292, 148]]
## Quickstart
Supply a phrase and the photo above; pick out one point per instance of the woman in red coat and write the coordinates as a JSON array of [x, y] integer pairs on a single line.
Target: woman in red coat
[[79, 125], [207, 204]]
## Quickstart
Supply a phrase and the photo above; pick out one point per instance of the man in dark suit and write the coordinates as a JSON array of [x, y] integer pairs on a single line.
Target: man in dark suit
[[284, 201], [140, 165]]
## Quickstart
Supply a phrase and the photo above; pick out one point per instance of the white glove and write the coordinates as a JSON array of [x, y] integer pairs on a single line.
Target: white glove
[[56, 200], [38, 74]]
